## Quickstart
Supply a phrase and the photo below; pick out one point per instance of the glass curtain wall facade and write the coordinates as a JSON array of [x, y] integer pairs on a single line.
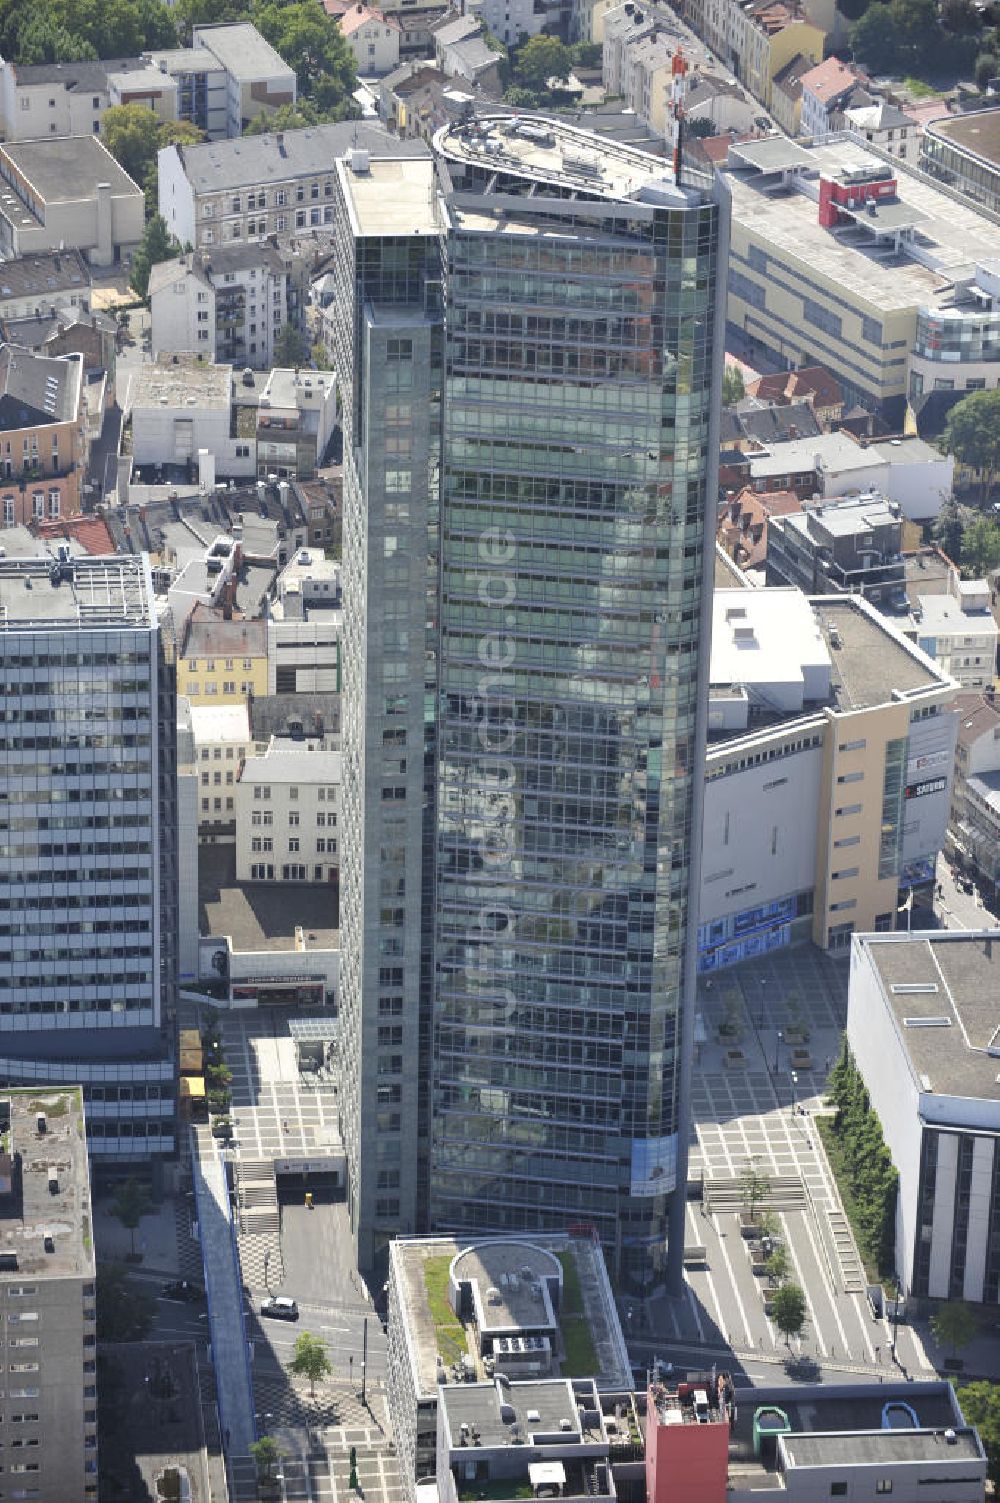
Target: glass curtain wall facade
[[583, 343]]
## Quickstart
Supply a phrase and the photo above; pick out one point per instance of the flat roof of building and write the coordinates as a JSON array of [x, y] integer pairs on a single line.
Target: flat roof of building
[[977, 132], [397, 196], [66, 169], [943, 613], [551, 151], [220, 725], [215, 166], [45, 1232], [866, 1448], [187, 60], [262, 916], [845, 515], [242, 50], [545, 1406], [941, 990], [182, 381], [414, 1260], [303, 764], [40, 594], [952, 236]]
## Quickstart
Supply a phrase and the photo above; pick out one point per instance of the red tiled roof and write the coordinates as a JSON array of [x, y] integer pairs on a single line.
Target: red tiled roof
[[811, 383], [830, 78], [90, 532], [360, 15]]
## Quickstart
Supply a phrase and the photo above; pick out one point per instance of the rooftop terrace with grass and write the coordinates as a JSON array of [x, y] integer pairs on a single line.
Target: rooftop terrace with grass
[[524, 1308]]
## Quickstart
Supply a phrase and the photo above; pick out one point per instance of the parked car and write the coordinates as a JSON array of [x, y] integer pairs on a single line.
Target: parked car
[[280, 1307], [185, 1291]]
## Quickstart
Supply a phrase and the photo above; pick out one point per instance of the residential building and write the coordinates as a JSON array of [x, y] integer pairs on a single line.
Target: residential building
[[259, 81], [373, 38], [921, 1026], [64, 331], [42, 283], [763, 424], [43, 436], [208, 579], [842, 283], [287, 815], [182, 409], [223, 659], [786, 93], [68, 193], [883, 125], [957, 343], [87, 987], [810, 384], [462, 51], [508, 1297], [512, 19], [822, 1440], [964, 152], [974, 826], [271, 185], [231, 302], [286, 720], [59, 99], [202, 88], [221, 740], [427, 795], [418, 98], [825, 88], [772, 34], [851, 545], [47, 1292], [296, 415], [827, 777], [744, 524], [913, 474], [959, 631]]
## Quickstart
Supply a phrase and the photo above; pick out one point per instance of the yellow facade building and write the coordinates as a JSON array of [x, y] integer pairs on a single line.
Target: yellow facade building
[[221, 661]]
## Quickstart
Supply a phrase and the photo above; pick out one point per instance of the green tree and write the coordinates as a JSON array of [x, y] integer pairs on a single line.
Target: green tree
[[122, 1313], [157, 245], [948, 531], [987, 67], [972, 434], [285, 117], [980, 1403], [291, 347], [954, 1325], [733, 385], [131, 132], [874, 41], [776, 1265], [40, 39], [310, 1360], [540, 59], [960, 17], [310, 42], [190, 13], [789, 1311], [131, 1204], [754, 1186], [266, 1453], [980, 548], [587, 54]]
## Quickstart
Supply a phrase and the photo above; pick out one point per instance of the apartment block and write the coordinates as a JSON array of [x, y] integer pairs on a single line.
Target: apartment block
[[48, 1388], [67, 193], [231, 302], [241, 191], [42, 283], [842, 547], [259, 80], [222, 658], [828, 777], [88, 978], [221, 743], [44, 441], [958, 630], [921, 1025], [836, 255], [287, 816]]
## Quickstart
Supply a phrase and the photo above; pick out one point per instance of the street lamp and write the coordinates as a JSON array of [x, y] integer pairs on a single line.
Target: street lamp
[[795, 1081], [777, 1045]]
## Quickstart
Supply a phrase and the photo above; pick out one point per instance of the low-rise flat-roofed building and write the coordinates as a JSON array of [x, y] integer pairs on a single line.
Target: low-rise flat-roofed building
[[508, 1308], [964, 152], [47, 1272], [68, 193], [42, 283], [836, 251], [852, 544], [258, 78], [831, 744], [922, 1027], [959, 631]]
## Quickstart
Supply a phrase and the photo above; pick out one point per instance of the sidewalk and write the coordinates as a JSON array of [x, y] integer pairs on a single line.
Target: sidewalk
[[155, 1237]]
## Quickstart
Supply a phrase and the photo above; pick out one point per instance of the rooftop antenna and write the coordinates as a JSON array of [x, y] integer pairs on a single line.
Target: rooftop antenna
[[678, 88]]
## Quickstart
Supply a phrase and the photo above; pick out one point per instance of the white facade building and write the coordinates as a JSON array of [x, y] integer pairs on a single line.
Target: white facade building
[[259, 80], [287, 808], [373, 38], [181, 405], [229, 304], [182, 309], [921, 1024], [959, 631], [221, 735]]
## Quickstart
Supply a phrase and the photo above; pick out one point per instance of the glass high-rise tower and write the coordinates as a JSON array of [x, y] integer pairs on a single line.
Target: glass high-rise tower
[[571, 545]]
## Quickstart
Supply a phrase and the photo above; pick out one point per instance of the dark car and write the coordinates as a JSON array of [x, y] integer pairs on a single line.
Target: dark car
[[280, 1307], [185, 1291]]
